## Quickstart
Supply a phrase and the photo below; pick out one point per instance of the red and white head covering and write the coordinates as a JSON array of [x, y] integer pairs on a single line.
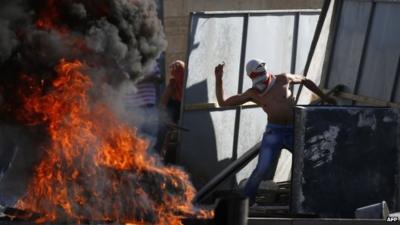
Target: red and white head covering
[[262, 80]]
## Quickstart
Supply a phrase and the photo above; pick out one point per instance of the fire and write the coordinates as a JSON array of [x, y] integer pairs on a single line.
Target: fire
[[95, 168], [49, 16]]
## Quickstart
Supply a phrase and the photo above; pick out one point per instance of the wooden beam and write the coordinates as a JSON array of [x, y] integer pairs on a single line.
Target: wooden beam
[[215, 106], [201, 106], [343, 95], [367, 100]]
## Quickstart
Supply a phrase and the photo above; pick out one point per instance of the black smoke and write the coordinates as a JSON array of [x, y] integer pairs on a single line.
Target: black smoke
[[113, 38]]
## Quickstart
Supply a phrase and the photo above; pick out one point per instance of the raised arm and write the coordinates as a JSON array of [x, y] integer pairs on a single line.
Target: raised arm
[[300, 79], [219, 91]]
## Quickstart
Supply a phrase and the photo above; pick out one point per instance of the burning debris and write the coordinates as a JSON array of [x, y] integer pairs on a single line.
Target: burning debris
[[94, 167], [56, 55]]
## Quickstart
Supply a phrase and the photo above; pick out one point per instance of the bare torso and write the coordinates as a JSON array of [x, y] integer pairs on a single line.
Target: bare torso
[[278, 102]]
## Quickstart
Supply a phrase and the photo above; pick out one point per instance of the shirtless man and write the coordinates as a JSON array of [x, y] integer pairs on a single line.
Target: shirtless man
[[272, 93]]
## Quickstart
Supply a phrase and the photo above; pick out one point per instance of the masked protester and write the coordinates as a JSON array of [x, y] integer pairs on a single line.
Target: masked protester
[[272, 93]]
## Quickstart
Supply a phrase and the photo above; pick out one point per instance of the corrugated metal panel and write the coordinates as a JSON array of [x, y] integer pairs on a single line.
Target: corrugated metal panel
[[307, 24], [251, 128], [217, 135], [382, 52], [270, 37], [213, 40], [306, 28], [315, 64], [207, 147], [349, 45], [365, 51]]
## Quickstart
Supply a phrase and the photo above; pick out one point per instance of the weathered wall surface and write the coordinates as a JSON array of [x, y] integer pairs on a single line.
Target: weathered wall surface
[[176, 17]]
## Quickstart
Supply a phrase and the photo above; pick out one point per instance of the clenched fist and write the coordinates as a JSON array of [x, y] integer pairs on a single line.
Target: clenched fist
[[219, 71]]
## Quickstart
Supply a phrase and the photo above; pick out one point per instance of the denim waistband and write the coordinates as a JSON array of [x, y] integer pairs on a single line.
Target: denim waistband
[[279, 126]]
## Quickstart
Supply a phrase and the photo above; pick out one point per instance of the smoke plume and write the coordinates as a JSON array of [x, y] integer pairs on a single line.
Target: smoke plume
[[53, 116]]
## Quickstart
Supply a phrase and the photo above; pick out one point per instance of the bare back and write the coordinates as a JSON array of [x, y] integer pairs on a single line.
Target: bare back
[[278, 102]]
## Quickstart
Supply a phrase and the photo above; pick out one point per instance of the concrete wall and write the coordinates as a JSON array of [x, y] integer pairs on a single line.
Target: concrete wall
[[176, 17]]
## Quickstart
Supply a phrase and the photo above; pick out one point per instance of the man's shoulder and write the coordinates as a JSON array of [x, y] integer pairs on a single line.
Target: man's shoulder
[[283, 77], [250, 93]]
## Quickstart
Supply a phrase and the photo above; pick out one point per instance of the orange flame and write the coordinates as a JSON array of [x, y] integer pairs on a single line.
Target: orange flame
[[95, 167]]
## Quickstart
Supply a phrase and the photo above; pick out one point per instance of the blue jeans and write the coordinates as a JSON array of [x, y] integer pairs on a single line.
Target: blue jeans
[[275, 138]]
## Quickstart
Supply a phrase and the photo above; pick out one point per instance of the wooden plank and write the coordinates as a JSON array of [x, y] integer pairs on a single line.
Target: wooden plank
[[366, 100], [343, 95], [214, 106], [201, 106]]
